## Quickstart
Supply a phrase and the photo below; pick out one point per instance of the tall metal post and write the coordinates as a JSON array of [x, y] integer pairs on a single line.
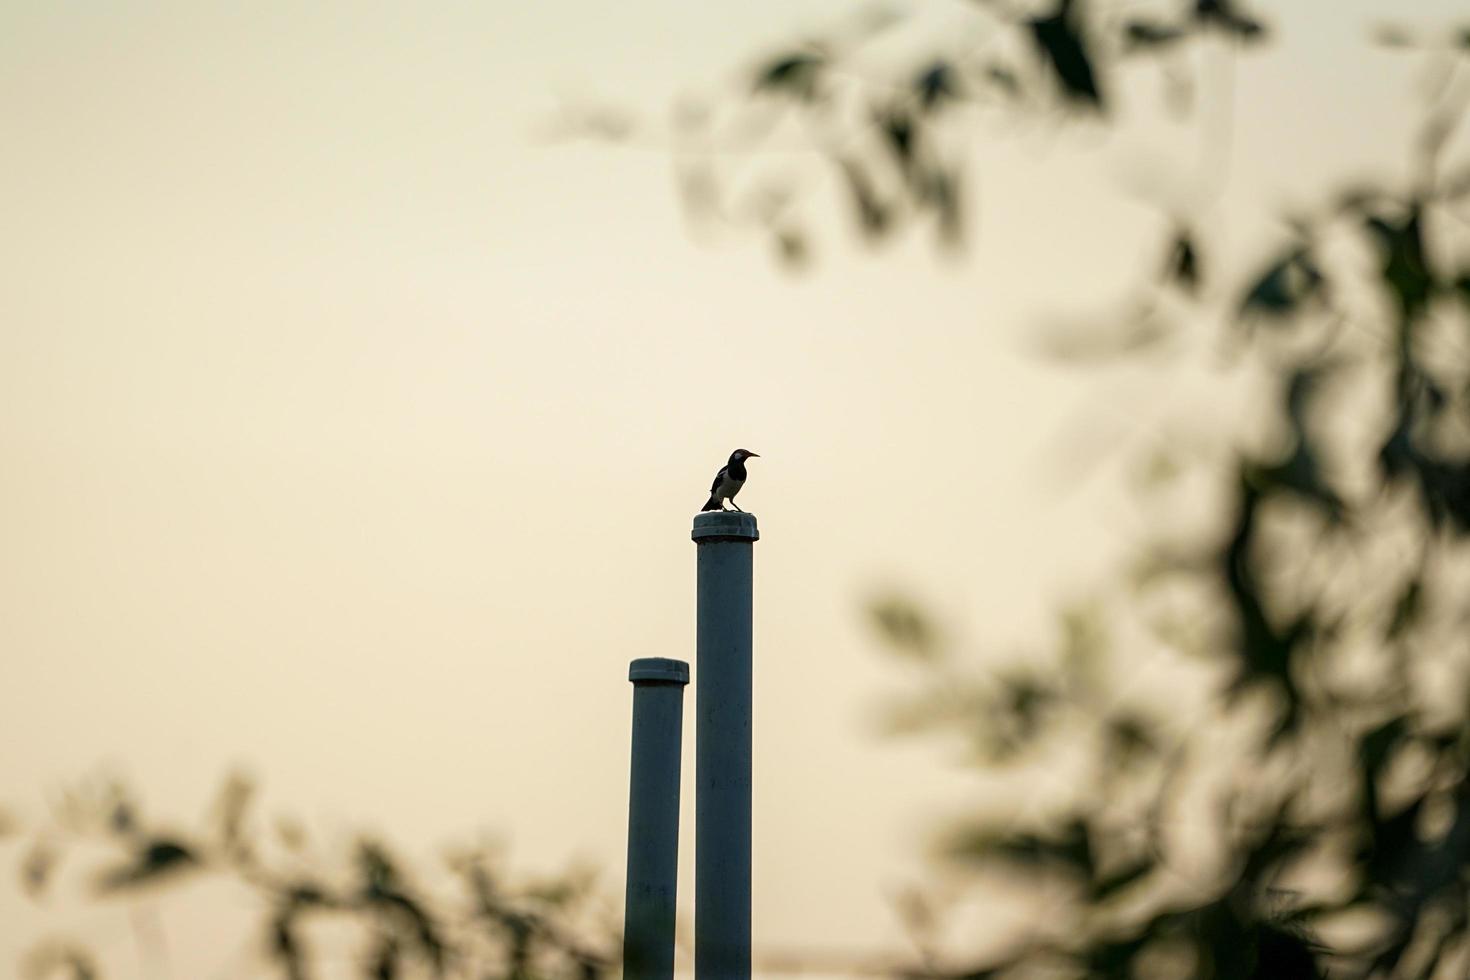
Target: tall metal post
[[724, 550], [653, 818]]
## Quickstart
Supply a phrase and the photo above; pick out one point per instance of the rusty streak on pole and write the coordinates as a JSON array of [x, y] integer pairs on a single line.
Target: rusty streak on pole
[[653, 817], [722, 766]]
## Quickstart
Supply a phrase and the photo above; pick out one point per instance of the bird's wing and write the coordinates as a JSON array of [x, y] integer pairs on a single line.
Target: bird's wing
[[719, 478]]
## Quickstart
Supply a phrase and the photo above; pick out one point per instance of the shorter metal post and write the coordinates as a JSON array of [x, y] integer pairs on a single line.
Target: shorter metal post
[[653, 818]]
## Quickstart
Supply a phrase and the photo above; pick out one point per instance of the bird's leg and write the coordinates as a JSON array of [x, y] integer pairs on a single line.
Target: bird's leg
[[736, 506]]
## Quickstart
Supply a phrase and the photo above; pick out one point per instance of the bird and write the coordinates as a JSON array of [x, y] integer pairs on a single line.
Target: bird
[[728, 481]]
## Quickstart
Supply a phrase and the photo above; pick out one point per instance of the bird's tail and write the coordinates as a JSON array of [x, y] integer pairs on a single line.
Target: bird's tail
[[714, 504]]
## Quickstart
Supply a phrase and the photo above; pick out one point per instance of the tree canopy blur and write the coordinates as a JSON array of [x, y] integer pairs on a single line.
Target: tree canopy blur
[[322, 909], [1301, 808]]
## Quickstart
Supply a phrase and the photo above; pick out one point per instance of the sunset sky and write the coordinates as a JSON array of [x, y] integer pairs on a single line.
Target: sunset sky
[[353, 427]]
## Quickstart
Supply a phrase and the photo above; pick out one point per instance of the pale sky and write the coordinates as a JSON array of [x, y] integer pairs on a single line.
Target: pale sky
[[352, 432]]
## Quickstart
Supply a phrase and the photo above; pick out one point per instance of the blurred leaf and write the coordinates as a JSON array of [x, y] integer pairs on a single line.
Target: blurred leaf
[[230, 807], [796, 74], [304, 895], [1392, 36], [290, 833], [1398, 457], [285, 944], [1133, 330], [123, 818], [942, 193], [1276, 843], [792, 248], [1183, 265], [1130, 739], [36, 867], [1435, 396], [1265, 651], [1375, 748], [382, 887], [1443, 484], [1404, 270], [383, 961], [1445, 493], [1390, 844], [918, 913], [1059, 40], [937, 86], [1021, 710], [156, 859], [1462, 288], [1108, 885], [1141, 34], [376, 867], [1300, 471], [1407, 608], [905, 629], [418, 924], [1222, 14], [1066, 850], [1284, 285], [900, 134], [1004, 79]]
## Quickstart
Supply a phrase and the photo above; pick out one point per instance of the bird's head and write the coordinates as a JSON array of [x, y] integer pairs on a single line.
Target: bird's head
[[741, 455]]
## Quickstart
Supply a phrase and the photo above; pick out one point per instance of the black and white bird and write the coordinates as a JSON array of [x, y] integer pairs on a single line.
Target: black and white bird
[[728, 481]]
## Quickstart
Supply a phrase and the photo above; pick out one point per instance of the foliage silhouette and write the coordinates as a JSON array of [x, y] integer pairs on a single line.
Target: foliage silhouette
[[1320, 617], [481, 927]]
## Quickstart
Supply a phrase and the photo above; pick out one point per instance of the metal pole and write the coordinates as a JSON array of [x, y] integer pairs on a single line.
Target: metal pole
[[653, 818], [722, 746]]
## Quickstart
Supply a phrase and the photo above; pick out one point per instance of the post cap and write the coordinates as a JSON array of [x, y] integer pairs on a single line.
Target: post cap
[[659, 670], [724, 525]]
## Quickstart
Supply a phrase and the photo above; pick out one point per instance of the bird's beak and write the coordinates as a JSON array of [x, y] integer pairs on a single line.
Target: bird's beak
[[756, 455]]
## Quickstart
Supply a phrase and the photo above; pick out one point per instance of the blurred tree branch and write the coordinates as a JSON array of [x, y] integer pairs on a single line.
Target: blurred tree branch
[[482, 927], [1324, 742]]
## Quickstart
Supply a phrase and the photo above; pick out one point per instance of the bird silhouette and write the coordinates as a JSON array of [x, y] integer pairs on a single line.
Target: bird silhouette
[[729, 481]]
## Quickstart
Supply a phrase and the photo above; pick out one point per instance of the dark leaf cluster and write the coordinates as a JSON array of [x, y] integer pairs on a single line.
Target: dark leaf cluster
[[890, 141]]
